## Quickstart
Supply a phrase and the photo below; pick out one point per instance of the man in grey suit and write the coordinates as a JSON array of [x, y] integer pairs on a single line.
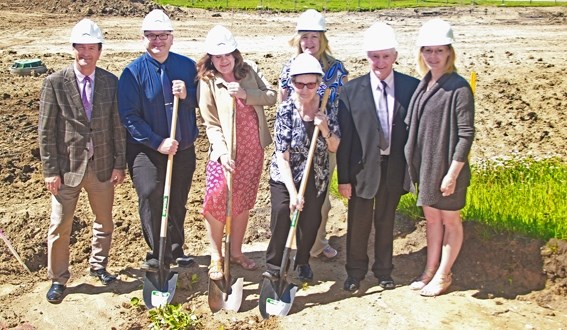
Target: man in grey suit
[[82, 145], [370, 158]]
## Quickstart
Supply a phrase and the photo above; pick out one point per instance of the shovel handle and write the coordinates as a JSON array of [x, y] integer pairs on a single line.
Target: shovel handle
[[167, 185], [11, 248], [303, 185], [229, 180]]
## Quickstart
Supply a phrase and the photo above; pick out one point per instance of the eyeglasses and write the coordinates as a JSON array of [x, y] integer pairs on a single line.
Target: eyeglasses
[[301, 85], [161, 36]]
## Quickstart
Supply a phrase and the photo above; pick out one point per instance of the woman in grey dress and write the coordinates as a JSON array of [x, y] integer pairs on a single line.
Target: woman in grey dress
[[441, 130]]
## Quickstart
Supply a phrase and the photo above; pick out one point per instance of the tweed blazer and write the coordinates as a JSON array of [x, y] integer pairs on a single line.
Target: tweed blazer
[[358, 155], [64, 129], [215, 105]]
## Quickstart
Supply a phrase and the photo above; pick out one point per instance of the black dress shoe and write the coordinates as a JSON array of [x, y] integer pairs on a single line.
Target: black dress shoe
[[185, 261], [304, 273], [387, 283], [105, 277], [351, 284], [150, 265], [55, 293]]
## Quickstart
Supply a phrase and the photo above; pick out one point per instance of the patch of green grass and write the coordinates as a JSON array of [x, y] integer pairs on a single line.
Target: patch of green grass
[[521, 195], [408, 207], [345, 5]]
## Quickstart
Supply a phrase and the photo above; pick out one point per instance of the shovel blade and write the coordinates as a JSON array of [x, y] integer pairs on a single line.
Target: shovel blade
[[159, 290], [273, 304], [223, 297]]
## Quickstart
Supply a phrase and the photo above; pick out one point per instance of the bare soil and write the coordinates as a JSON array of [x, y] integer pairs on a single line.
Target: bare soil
[[501, 280]]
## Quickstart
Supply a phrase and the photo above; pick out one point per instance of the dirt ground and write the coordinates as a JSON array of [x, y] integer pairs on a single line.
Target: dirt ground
[[500, 280]]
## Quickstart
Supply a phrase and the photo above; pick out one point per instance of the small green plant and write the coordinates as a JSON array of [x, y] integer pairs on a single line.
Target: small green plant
[[173, 317], [194, 279], [135, 302]]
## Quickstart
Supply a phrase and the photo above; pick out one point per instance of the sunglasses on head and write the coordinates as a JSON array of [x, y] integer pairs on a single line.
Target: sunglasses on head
[[301, 85]]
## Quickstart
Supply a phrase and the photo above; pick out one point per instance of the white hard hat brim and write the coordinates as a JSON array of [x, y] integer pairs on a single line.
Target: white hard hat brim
[[434, 43], [375, 48], [221, 50], [86, 40]]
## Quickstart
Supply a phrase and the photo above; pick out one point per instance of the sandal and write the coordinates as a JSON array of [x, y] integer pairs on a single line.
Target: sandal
[[244, 262], [420, 282], [216, 270], [437, 286]]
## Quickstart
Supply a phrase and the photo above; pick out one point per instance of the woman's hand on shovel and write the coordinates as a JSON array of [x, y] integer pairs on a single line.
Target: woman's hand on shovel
[[227, 163], [296, 203]]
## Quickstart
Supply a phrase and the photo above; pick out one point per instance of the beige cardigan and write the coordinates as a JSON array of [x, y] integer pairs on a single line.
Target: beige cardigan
[[216, 107]]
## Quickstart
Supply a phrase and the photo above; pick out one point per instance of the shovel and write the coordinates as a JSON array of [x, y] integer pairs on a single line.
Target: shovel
[[276, 297], [223, 294], [11, 248], [159, 287]]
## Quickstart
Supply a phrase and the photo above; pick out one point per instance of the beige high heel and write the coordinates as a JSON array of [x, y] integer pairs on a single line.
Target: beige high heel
[[420, 282], [438, 285]]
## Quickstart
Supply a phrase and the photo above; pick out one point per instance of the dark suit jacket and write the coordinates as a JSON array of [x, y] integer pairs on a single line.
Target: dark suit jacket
[[64, 129], [358, 156]]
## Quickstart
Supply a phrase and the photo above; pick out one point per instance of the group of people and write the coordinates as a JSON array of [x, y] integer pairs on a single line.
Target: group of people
[[386, 133]]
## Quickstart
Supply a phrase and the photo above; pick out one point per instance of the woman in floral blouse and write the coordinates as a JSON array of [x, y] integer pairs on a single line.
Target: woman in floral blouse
[[295, 123], [310, 38]]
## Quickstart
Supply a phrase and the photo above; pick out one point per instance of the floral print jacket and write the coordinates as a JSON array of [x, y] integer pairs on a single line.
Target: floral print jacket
[[290, 134]]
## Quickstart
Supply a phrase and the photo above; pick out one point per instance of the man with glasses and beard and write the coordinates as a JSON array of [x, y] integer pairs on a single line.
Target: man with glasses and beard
[[146, 90]]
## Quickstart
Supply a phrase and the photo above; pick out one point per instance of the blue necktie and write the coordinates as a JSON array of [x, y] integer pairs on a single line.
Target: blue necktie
[[168, 100]]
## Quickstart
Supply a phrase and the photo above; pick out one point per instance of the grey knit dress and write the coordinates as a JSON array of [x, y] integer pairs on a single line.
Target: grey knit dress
[[441, 129]]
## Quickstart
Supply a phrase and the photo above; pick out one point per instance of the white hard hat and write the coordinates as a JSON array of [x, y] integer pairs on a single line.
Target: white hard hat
[[86, 32], [219, 41], [435, 32], [379, 36], [305, 64], [157, 20], [311, 20]]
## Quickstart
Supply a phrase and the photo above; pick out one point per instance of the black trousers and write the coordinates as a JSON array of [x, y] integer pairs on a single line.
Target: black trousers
[[307, 226], [147, 169], [379, 211]]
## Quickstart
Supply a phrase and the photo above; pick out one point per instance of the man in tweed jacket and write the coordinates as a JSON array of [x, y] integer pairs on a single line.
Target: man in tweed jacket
[[82, 145]]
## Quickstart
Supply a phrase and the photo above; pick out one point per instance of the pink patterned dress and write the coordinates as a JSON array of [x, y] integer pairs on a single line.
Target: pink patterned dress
[[249, 162]]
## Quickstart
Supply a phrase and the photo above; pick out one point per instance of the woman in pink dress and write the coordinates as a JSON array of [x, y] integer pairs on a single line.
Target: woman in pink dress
[[227, 84]]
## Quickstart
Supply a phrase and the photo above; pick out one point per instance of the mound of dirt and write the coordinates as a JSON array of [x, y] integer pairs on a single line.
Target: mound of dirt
[[500, 279], [134, 8]]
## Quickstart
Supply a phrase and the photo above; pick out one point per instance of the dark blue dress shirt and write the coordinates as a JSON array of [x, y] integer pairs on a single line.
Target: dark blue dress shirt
[[141, 102]]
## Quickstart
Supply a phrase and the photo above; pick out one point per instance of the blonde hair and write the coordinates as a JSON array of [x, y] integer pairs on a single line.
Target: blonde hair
[[422, 68], [324, 52]]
